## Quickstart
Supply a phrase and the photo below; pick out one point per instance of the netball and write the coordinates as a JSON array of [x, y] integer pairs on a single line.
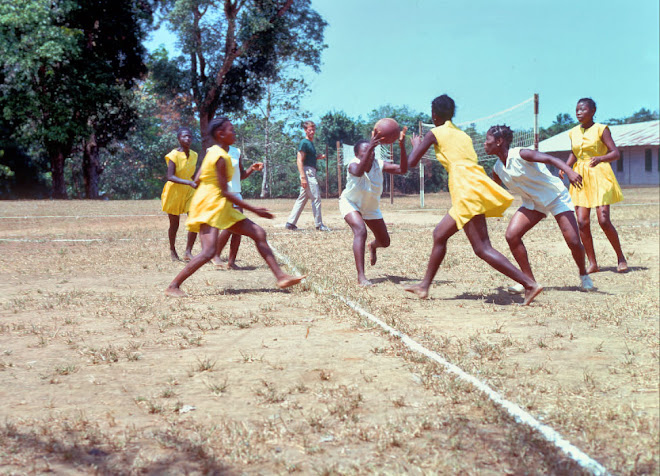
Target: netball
[[389, 129]]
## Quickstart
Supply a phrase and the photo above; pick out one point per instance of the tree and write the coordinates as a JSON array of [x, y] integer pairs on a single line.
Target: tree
[[643, 115], [66, 68], [562, 122], [232, 47]]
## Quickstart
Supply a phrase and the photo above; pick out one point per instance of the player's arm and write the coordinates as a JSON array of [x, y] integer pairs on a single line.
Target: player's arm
[[536, 156], [402, 167], [358, 169], [300, 159], [612, 152], [171, 177], [420, 147], [570, 163], [221, 172], [257, 166]]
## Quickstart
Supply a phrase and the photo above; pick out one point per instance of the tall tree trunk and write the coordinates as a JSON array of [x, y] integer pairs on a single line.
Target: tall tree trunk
[[57, 158], [204, 119], [92, 168], [265, 180]]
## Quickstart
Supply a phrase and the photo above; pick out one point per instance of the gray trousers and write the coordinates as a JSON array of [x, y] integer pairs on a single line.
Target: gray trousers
[[312, 191]]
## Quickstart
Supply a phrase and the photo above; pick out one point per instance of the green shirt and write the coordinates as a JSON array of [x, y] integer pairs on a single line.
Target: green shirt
[[307, 147]]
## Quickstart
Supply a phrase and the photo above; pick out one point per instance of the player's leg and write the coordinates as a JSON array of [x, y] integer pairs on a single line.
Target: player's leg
[[171, 234], [442, 232], [605, 223], [189, 245], [522, 221], [381, 237], [233, 251], [477, 232], [208, 236], [355, 221], [569, 228], [223, 238], [255, 232], [315, 195], [583, 215]]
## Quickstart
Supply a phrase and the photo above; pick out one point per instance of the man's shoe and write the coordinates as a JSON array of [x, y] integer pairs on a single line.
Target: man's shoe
[[290, 226], [322, 227]]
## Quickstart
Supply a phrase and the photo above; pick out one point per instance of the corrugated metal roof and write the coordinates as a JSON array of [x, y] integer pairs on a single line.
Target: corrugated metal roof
[[624, 135]]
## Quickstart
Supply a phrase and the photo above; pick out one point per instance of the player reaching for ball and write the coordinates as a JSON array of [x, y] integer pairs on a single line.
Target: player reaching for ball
[[474, 196], [523, 171], [211, 210], [359, 203]]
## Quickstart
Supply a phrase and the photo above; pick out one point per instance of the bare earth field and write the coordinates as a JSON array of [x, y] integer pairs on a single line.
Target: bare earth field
[[100, 373]]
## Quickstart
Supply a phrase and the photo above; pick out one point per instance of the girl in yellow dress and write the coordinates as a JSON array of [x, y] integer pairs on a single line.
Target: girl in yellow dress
[[211, 210], [592, 151], [474, 196], [179, 189]]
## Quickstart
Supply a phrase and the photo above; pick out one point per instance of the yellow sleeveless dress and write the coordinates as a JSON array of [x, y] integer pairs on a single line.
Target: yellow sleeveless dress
[[472, 191], [176, 196], [209, 206], [599, 184]]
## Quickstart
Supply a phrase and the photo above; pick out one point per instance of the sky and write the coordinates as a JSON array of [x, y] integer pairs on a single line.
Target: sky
[[487, 55]]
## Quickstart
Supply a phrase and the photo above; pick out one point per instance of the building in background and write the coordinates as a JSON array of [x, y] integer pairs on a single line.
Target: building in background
[[638, 144]]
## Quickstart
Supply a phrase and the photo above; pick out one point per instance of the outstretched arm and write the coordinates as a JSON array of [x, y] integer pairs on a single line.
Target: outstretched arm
[[536, 156], [221, 172], [402, 167], [257, 166], [420, 148]]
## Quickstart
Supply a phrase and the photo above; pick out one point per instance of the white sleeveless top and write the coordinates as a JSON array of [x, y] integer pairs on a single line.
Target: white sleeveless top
[[531, 180], [235, 184], [365, 191]]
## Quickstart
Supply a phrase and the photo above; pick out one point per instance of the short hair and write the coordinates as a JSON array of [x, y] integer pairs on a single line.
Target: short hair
[[216, 123], [443, 107], [590, 102], [183, 129], [358, 144], [306, 124], [502, 132]]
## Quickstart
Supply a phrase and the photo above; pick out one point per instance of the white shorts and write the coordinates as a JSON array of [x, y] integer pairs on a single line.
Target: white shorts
[[559, 205], [346, 207]]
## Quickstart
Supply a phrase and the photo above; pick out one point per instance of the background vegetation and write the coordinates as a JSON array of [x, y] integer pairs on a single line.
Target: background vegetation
[[87, 112]]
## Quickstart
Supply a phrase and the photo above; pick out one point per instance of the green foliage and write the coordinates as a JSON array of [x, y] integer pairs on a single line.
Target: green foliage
[[643, 115]]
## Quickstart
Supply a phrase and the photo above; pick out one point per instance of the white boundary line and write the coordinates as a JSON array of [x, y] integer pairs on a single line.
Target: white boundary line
[[518, 414], [29, 217]]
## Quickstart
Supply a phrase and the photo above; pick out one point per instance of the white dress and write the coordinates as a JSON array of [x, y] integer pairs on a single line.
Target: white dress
[[362, 194], [538, 188]]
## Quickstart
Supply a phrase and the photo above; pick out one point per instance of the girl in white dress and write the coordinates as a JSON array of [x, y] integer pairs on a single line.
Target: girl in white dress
[[359, 203], [524, 172]]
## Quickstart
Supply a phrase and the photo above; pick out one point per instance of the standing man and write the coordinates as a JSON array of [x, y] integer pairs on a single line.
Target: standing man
[[309, 187]]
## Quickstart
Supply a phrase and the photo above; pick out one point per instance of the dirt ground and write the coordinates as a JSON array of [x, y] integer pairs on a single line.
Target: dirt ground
[[101, 373]]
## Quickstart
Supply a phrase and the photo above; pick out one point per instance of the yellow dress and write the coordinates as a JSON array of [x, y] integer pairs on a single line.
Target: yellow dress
[[472, 191], [176, 196], [599, 184], [208, 205]]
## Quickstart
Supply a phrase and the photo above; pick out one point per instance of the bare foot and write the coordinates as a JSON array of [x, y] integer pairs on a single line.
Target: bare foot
[[174, 256], [232, 266], [531, 293], [365, 283], [174, 292], [418, 289], [372, 253], [622, 267], [217, 263], [288, 281], [593, 268], [188, 256]]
